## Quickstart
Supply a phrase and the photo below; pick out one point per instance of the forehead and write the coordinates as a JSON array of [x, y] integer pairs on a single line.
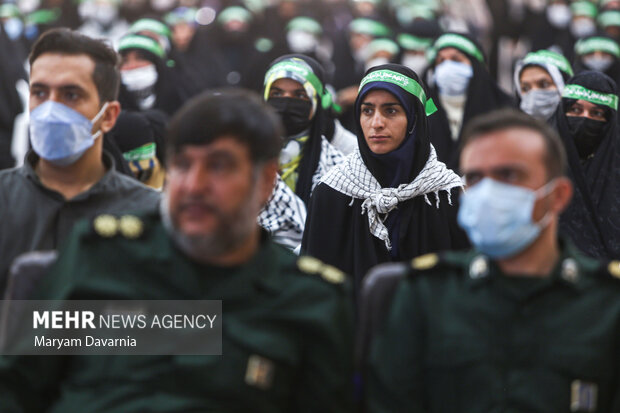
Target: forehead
[[515, 146], [225, 145], [287, 84], [54, 69], [531, 73], [379, 96], [450, 52]]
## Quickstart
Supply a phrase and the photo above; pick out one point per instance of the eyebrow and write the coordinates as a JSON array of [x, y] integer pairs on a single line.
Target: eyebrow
[[67, 87]]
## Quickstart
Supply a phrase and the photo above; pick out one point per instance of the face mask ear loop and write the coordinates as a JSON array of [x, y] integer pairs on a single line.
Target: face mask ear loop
[[96, 119], [545, 189]]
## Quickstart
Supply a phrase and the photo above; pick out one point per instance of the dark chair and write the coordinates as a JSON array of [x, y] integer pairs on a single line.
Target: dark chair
[[25, 273]]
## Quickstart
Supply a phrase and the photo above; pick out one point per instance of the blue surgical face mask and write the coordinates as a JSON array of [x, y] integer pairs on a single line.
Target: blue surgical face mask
[[61, 135], [497, 217], [452, 77]]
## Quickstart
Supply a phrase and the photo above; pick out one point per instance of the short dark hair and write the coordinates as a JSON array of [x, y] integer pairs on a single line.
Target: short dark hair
[[236, 112], [106, 75], [554, 157]]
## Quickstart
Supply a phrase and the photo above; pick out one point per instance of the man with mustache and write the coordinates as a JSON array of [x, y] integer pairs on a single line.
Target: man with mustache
[[287, 323]]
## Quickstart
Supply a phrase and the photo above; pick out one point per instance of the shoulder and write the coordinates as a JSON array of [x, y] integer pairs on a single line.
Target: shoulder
[[448, 264], [310, 276], [132, 190], [330, 155], [9, 176]]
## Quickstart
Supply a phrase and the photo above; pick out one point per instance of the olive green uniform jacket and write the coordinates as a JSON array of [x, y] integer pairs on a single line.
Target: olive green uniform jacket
[[462, 337], [298, 324]]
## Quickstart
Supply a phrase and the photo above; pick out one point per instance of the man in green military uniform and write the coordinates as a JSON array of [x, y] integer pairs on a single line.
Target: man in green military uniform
[[287, 322], [521, 323]]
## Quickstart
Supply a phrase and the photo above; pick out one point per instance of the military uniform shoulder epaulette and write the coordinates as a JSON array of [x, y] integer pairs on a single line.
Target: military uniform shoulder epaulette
[[611, 270], [111, 226], [314, 266], [452, 260]]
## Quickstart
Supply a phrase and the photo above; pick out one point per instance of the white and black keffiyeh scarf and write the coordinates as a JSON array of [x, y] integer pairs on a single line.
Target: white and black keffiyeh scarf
[[353, 179]]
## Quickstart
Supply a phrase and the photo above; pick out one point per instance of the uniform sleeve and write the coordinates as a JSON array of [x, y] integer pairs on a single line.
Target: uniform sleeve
[[394, 381], [327, 384]]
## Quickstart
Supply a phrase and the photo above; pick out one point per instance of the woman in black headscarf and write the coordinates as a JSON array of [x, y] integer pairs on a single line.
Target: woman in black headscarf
[[586, 121], [391, 199], [462, 88], [303, 107]]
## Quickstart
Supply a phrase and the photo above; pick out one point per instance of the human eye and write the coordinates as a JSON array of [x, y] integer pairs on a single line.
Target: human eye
[[597, 113], [180, 163], [302, 95], [274, 93], [525, 87], [472, 178], [367, 110], [221, 165], [38, 93], [507, 175], [575, 110], [545, 84]]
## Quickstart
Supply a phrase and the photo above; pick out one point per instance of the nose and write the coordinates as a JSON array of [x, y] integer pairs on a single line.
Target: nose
[[377, 121], [196, 180]]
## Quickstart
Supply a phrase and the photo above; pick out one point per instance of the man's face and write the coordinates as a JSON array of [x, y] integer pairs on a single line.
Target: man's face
[[383, 121], [64, 79], [215, 192], [513, 156]]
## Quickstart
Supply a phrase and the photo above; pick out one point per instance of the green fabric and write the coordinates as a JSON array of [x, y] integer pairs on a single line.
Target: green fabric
[[597, 44], [9, 10], [143, 152], [369, 27], [306, 24], [458, 42], [463, 337], [406, 83], [43, 16], [584, 8], [410, 42], [379, 45], [234, 13], [598, 98], [150, 25], [609, 18], [296, 320], [548, 57], [188, 16], [141, 42]]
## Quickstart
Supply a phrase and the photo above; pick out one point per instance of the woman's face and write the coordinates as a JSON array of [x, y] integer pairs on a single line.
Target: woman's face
[[585, 109], [383, 120], [536, 78]]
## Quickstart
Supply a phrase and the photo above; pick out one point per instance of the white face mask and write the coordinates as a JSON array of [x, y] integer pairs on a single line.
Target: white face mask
[[417, 63], [377, 61], [598, 63], [452, 77], [140, 78], [300, 41], [582, 28], [559, 15]]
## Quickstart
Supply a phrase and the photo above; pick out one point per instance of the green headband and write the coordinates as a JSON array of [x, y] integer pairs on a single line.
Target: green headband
[[584, 8], [597, 44], [305, 24], [9, 10], [548, 57], [458, 42], [410, 42], [405, 82], [234, 13], [370, 27], [378, 45], [609, 18], [146, 151], [150, 25], [579, 92], [296, 68], [132, 41]]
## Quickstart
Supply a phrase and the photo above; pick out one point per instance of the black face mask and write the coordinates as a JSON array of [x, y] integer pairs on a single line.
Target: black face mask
[[587, 134], [294, 113]]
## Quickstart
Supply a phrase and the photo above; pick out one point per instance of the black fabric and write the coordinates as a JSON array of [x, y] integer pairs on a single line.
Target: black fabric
[[483, 95], [312, 148], [295, 113], [592, 220], [337, 232]]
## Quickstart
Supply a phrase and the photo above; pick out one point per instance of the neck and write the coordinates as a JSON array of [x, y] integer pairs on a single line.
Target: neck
[[240, 255], [538, 260], [74, 179]]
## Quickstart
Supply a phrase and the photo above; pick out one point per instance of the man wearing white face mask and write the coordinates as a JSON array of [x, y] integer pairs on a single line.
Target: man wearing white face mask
[[67, 176], [523, 322], [462, 88]]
